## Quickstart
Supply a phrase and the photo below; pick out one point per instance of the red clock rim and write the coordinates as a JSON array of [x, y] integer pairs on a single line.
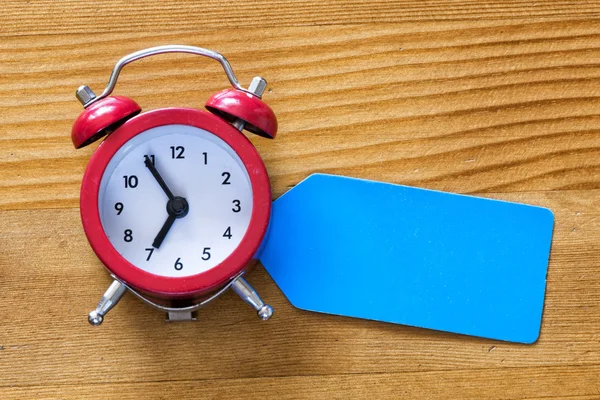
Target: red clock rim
[[176, 287]]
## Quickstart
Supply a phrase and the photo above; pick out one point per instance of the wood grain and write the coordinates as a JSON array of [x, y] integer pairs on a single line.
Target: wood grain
[[71, 16], [464, 110], [48, 343], [497, 99]]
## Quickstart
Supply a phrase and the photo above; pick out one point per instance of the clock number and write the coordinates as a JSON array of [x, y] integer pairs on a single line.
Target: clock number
[[151, 158], [119, 208], [237, 207], [227, 233], [150, 250], [227, 175], [178, 265], [206, 254], [179, 149], [130, 181], [128, 235], [205, 158]]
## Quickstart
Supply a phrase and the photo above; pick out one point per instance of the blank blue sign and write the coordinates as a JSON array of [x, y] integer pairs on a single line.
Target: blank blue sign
[[411, 256]]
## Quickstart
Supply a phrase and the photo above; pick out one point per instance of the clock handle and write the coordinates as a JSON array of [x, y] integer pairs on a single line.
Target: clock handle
[[111, 297], [87, 97], [249, 295]]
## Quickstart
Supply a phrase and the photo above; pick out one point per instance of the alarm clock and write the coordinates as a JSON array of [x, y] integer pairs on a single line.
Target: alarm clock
[[175, 202]]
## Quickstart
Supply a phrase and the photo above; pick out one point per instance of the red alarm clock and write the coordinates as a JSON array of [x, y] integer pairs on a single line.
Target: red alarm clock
[[175, 202]]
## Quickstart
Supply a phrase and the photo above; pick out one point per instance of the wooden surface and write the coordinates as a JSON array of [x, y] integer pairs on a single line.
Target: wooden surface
[[498, 99]]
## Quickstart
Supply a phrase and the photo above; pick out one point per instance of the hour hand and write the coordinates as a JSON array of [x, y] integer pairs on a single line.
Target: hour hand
[[163, 231], [158, 178], [177, 207]]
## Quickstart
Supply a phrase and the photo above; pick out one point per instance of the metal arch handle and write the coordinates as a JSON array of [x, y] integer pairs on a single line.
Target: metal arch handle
[[152, 51]]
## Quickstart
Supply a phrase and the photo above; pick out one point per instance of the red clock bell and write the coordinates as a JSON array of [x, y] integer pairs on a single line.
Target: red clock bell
[[175, 202]]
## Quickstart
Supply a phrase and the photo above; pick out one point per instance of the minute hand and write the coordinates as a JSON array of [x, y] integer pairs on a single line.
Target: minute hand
[[158, 178]]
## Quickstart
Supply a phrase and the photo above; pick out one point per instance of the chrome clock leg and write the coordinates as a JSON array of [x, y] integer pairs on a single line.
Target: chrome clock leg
[[249, 295], [111, 297]]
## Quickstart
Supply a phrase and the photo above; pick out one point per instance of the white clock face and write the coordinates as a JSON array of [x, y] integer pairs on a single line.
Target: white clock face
[[201, 224]]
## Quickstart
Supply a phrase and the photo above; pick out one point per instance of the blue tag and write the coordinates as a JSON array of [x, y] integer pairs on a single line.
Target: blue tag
[[411, 256]]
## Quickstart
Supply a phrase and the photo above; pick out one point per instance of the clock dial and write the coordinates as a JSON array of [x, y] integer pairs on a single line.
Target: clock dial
[[196, 166]]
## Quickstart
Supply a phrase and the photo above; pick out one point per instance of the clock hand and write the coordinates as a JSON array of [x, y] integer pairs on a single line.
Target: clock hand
[[177, 207], [163, 231], [158, 178]]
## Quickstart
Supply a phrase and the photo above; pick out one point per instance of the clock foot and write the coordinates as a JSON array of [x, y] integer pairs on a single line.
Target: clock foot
[[249, 295], [111, 297], [180, 316]]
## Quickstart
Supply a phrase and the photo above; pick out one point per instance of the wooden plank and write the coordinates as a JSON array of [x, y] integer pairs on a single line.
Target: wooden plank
[[51, 279], [580, 382], [495, 98], [470, 109], [51, 17]]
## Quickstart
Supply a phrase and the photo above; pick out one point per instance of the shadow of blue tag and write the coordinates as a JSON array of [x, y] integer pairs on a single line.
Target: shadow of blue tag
[[411, 256]]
